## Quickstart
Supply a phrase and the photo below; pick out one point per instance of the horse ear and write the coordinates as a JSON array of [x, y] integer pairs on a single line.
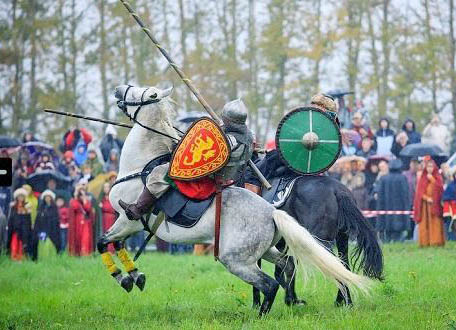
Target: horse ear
[[167, 92]]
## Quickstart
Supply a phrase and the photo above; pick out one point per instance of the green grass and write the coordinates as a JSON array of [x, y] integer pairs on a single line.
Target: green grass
[[188, 292]]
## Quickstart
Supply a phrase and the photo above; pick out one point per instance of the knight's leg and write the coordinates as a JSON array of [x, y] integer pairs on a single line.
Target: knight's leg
[[125, 282], [156, 186], [252, 275], [342, 249], [142, 206], [129, 266]]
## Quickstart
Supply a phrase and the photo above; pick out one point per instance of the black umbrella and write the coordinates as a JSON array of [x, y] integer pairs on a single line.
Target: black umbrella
[[8, 142], [37, 146], [440, 159], [421, 149], [39, 180]]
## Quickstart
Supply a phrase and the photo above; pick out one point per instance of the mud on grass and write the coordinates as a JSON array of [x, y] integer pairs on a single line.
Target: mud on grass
[[188, 292]]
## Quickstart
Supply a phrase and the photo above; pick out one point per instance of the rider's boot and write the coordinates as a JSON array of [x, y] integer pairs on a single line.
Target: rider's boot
[[253, 188], [143, 205]]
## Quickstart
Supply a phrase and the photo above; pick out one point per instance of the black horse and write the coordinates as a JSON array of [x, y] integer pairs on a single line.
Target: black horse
[[327, 209]]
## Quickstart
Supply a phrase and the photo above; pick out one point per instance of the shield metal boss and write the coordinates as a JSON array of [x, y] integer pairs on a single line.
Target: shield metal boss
[[308, 140], [203, 150]]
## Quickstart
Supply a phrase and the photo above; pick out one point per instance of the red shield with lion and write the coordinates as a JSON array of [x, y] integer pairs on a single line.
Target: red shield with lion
[[202, 151]]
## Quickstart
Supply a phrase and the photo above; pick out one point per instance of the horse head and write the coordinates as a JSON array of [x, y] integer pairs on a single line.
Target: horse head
[[145, 105]]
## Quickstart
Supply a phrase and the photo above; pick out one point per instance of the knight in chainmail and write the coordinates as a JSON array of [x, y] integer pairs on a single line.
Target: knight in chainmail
[[234, 116]]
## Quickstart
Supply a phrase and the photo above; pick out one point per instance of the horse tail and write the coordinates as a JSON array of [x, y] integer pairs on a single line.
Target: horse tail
[[367, 254], [307, 250]]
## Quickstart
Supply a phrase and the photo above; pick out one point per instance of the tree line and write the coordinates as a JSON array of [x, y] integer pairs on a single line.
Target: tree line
[[398, 58]]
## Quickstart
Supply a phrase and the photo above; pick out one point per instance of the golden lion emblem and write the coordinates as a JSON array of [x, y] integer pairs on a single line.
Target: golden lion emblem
[[200, 149]]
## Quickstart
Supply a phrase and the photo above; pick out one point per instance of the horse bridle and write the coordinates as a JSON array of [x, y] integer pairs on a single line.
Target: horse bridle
[[123, 104]]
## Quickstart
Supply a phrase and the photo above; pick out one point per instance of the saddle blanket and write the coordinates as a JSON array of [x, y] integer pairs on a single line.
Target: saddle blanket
[[280, 191], [181, 210]]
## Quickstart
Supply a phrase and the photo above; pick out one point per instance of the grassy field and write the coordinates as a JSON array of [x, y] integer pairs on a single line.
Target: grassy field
[[188, 292]]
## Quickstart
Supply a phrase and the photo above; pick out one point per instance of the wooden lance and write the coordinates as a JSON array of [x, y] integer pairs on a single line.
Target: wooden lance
[[69, 114], [189, 84]]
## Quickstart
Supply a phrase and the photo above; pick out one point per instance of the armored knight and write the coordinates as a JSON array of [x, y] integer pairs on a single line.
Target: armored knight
[[234, 116]]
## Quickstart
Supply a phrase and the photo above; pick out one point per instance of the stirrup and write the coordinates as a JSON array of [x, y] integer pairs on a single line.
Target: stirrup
[[128, 212]]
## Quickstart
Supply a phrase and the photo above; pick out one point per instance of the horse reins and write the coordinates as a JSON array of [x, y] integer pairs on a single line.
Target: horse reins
[[122, 104]]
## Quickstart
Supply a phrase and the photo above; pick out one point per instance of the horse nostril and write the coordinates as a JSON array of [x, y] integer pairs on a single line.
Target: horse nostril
[[153, 96], [119, 92]]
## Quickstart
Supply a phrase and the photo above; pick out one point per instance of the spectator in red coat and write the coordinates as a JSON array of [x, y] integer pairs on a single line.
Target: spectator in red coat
[[80, 231]]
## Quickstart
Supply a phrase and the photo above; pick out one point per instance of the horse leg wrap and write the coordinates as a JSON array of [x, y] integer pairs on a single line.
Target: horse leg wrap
[[125, 282], [108, 261], [126, 260], [139, 278]]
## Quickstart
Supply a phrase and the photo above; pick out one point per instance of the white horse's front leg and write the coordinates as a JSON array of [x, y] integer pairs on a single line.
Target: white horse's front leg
[[117, 234]]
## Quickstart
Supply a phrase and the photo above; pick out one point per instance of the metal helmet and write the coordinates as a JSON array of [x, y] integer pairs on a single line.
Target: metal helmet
[[235, 112]]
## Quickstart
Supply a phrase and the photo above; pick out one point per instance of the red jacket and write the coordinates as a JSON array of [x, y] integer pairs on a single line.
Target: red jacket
[[64, 215]]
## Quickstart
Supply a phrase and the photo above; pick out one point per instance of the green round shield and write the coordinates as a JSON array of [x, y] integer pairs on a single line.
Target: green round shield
[[308, 140]]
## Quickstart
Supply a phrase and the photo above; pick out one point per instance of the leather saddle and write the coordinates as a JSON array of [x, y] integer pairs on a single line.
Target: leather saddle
[[280, 191], [181, 210]]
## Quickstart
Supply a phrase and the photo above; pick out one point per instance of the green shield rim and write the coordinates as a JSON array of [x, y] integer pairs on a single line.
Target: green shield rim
[[327, 151]]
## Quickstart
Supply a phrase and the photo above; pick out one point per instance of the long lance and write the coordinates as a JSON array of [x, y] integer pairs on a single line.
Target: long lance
[[69, 114], [189, 83], [116, 123]]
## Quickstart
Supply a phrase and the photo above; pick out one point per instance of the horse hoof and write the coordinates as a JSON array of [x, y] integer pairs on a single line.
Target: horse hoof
[[141, 281], [343, 303], [127, 283], [296, 302], [299, 302]]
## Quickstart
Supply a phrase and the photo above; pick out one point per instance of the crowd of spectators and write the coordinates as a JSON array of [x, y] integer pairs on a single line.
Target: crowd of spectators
[[59, 203], [418, 192]]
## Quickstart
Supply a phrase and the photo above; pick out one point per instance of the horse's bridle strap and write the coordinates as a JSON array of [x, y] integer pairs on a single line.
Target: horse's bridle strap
[[122, 104]]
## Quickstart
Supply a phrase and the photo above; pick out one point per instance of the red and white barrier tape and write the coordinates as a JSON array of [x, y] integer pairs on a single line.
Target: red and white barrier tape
[[372, 214]]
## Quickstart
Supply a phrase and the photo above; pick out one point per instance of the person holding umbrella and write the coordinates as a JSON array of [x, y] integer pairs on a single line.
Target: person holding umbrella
[[427, 207], [400, 142]]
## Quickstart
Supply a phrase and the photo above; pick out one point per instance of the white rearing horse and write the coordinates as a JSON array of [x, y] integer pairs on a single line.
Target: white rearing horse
[[250, 226]]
